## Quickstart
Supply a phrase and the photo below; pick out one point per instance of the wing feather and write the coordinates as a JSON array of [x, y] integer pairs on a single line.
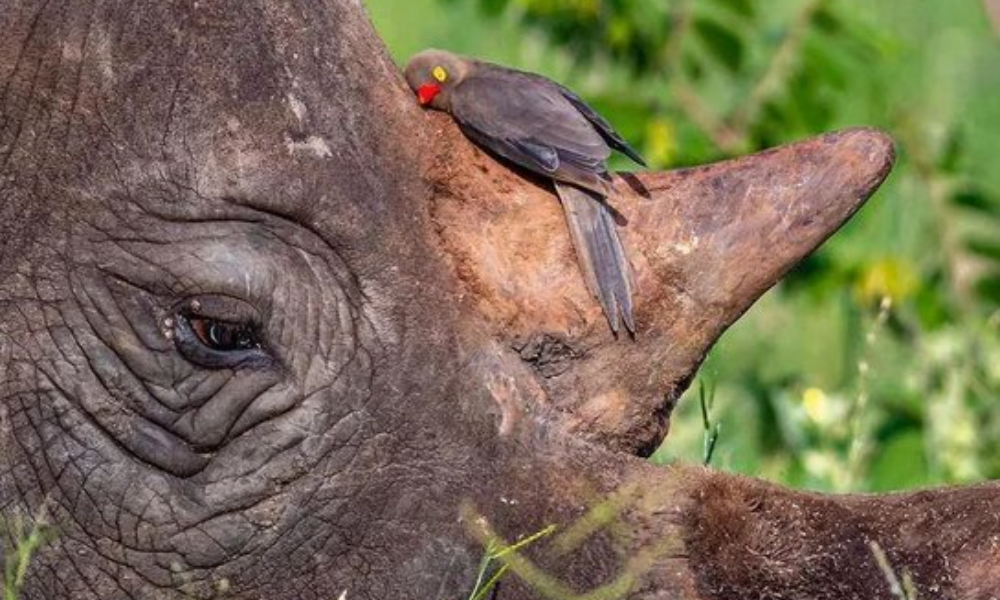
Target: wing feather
[[600, 253], [530, 122], [610, 135]]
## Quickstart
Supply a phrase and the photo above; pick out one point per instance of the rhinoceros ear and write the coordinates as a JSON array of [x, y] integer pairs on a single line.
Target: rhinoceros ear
[[705, 243]]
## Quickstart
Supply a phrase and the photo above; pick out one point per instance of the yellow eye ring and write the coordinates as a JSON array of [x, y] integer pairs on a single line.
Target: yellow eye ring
[[440, 74]]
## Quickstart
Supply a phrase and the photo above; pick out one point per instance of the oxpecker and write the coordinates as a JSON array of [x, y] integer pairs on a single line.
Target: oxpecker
[[542, 126]]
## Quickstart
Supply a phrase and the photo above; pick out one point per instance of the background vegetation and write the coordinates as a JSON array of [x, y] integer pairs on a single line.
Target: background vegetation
[[876, 364]]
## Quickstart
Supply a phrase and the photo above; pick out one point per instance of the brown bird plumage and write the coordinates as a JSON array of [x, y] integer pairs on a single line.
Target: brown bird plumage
[[540, 125]]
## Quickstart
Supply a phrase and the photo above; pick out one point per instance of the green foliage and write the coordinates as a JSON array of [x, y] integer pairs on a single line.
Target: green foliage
[[822, 383], [706, 399], [488, 575], [603, 518], [24, 538]]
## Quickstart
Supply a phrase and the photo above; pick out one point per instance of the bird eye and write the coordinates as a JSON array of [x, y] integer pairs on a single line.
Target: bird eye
[[440, 74], [218, 333]]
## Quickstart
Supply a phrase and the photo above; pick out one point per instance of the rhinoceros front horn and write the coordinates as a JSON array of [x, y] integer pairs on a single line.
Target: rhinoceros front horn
[[705, 243]]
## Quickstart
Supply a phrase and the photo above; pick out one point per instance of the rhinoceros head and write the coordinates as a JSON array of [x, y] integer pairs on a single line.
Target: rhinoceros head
[[270, 331]]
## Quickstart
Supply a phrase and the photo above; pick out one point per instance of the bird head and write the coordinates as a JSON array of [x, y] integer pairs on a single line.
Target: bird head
[[432, 74]]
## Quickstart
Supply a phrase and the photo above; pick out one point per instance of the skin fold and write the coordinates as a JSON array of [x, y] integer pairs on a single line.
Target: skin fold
[[257, 341]]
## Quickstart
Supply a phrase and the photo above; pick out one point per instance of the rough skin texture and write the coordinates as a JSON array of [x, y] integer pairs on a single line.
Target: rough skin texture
[[422, 358]]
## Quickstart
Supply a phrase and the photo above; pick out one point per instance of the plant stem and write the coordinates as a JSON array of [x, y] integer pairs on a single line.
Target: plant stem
[[673, 51], [939, 191], [778, 71], [860, 436], [721, 134]]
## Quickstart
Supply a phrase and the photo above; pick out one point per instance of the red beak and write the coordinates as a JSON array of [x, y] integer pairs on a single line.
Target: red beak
[[426, 93]]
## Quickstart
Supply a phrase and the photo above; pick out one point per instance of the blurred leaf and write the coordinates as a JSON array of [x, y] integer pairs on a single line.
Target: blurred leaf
[[932, 306], [952, 153], [619, 33], [828, 64], [493, 7], [976, 199], [988, 288], [827, 21], [724, 44], [744, 8], [986, 248], [900, 462]]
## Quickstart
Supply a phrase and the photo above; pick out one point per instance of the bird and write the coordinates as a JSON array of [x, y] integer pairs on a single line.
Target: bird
[[542, 126]]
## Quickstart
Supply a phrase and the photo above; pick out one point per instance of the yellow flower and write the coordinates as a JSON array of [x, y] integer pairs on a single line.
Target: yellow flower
[[886, 278], [661, 142], [816, 404]]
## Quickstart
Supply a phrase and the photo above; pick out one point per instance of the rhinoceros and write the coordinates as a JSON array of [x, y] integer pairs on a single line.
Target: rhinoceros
[[269, 331]]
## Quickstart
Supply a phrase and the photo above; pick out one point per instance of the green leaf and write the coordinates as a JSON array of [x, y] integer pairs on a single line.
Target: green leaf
[[978, 200], [988, 288], [899, 462], [952, 153], [827, 21], [743, 8], [722, 42], [986, 248]]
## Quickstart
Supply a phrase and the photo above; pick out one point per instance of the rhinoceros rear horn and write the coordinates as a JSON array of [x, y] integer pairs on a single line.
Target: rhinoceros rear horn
[[704, 243]]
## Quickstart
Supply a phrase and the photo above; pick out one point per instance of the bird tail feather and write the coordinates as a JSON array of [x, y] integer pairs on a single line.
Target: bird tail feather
[[599, 250]]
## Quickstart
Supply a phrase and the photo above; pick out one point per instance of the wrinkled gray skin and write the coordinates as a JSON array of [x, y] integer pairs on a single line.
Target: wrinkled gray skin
[[153, 156], [165, 162], [172, 167]]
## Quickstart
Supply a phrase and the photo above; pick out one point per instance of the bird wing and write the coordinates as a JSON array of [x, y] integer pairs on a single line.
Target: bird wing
[[529, 121], [612, 137]]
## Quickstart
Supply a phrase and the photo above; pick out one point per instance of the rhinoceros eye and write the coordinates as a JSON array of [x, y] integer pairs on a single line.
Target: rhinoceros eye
[[218, 333], [222, 336]]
